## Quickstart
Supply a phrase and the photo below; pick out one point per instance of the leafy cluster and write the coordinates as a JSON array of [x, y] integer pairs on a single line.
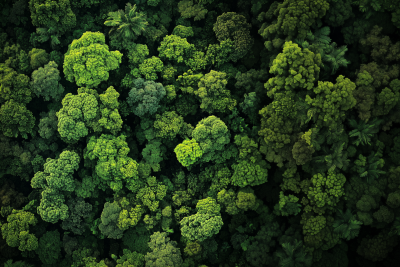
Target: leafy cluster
[[199, 133]]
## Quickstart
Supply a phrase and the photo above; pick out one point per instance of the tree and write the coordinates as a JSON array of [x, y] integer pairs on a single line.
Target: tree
[[45, 82], [364, 95], [246, 199], [128, 24], [219, 54], [338, 13], [294, 68], [369, 168], [383, 50], [293, 255], [56, 14], [332, 100], [130, 258], [15, 57], [346, 225], [287, 205], [213, 93], [175, 48], [233, 26], [205, 223], [164, 252], [212, 135], [109, 220], [39, 57], [150, 67], [79, 112], [43, 34], [16, 119], [49, 249], [152, 194], [113, 166], [153, 154], [319, 42], [56, 179], [14, 86], [78, 210], [16, 230], [293, 19], [247, 172], [325, 190], [145, 96], [88, 60], [110, 119], [189, 10], [168, 125], [183, 31], [364, 131], [188, 152]]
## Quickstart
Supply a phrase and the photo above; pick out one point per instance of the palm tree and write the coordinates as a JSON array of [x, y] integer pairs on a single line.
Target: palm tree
[[293, 255], [335, 56], [363, 131], [129, 23], [346, 225], [44, 34]]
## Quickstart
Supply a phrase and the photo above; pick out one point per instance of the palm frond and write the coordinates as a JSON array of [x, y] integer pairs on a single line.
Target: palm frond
[[41, 30], [322, 35]]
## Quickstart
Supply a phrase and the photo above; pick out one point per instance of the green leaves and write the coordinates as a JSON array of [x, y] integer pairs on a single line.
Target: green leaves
[[213, 93], [233, 26], [16, 119], [294, 68], [45, 82], [364, 131], [128, 24], [77, 114], [164, 252], [188, 10], [150, 67], [14, 86], [110, 119], [175, 48], [188, 152], [333, 100], [50, 247], [346, 225], [369, 167], [205, 223], [56, 178], [16, 230], [145, 96], [249, 173], [56, 14], [326, 190], [293, 254], [212, 135], [113, 165], [88, 60]]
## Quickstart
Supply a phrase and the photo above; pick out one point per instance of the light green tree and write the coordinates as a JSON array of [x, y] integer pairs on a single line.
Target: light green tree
[[88, 60]]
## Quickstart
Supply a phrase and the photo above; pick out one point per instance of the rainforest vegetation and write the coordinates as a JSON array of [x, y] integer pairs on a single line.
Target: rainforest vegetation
[[200, 133]]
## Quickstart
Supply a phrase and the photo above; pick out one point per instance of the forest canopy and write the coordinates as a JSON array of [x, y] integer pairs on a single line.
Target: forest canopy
[[199, 133]]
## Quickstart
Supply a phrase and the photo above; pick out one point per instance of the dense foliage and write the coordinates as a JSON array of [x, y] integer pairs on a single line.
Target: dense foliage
[[199, 133]]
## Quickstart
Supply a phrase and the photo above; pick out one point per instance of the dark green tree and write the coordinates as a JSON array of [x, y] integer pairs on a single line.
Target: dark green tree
[[292, 254], [128, 24], [346, 225], [364, 131]]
